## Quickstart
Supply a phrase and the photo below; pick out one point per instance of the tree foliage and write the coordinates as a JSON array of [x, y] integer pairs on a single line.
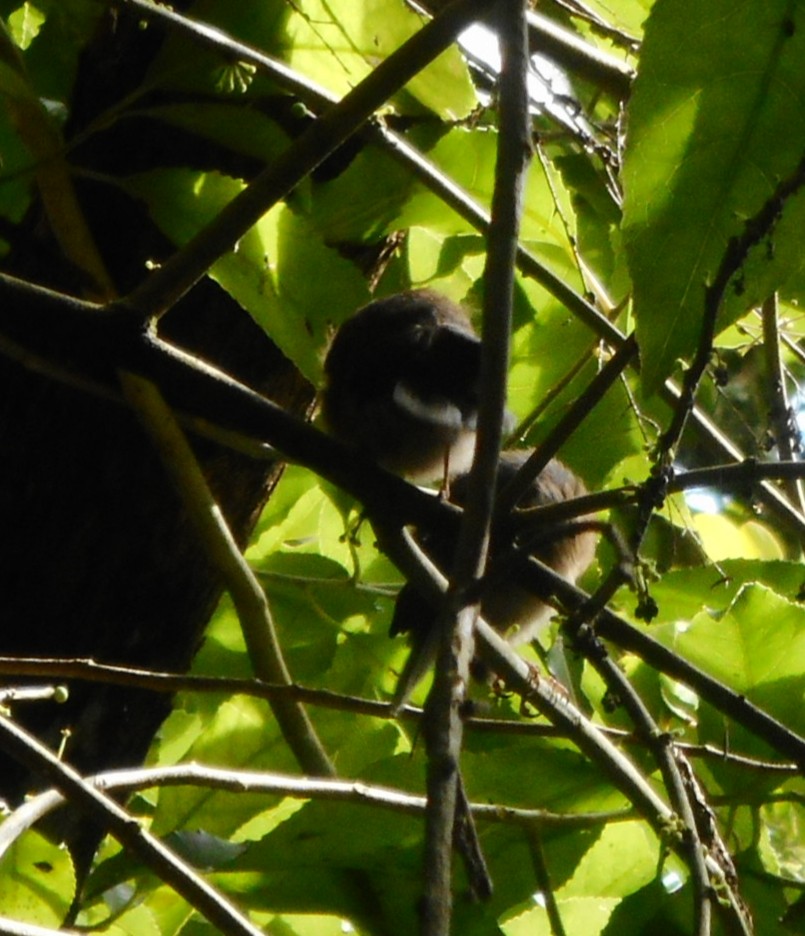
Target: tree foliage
[[668, 205]]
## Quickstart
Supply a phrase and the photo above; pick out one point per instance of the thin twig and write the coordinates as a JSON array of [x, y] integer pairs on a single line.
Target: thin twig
[[782, 417], [589, 738], [599, 25], [398, 147], [552, 701], [32, 694], [194, 386], [557, 707], [543, 877], [460, 202], [755, 230], [584, 639], [662, 748], [354, 792], [59, 327], [14, 928], [580, 57], [571, 52], [581, 408], [158, 681]]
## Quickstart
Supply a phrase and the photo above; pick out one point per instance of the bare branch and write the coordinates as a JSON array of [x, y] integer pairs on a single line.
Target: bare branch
[[13, 928], [444, 728], [155, 681], [170, 868], [355, 792]]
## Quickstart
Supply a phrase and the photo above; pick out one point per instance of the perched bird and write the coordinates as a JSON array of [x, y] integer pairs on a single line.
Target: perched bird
[[402, 384], [568, 548]]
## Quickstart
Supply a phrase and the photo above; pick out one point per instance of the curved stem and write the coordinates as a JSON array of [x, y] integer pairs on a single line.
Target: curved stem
[[249, 598]]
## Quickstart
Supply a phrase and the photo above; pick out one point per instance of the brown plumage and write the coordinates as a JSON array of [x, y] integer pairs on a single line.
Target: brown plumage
[[568, 548], [402, 380], [515, 612]]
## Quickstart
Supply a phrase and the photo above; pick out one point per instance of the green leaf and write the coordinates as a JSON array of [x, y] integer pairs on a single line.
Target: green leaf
[[302, 924], [269, 272], [682, 594], [241, 734], [717, 82], [782, 845], [581, 916], [597, 218], [535, 774], [627, 15], [723, 539], [37, 881], [337, 43], [183, 64], [333, 842], [25, 23], [756, 647], [134, 921], [364, 201], [545, 350], [653, 909], [621, 861], [52, 56], [243, 130], [334, 44]]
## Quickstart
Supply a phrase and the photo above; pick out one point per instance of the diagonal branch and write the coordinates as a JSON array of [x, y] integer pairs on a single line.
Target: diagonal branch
[[539, 577], [103, 809], [169, 682], [755, 230], [452, 195], [166, 285], [582, 406], [244, 782], [56, 327]]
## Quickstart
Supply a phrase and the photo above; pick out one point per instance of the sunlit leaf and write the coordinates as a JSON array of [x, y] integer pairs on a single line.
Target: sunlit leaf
[[37, 881], [755, 647], [581, 916], [357, 37], [268, 272], [628, 15], [724, 539], [620, 862], [242, 733], [783, 845], [25, 23], [713, 126], [682, 594]]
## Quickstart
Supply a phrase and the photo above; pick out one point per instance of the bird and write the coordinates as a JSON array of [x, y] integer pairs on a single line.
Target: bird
[[568, 547], [402, 382]]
